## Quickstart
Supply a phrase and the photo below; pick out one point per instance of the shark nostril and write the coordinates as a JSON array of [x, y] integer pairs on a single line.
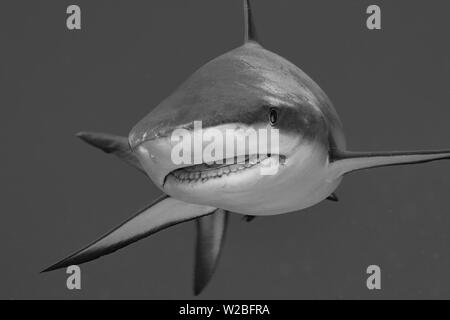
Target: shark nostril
[[140, 135]]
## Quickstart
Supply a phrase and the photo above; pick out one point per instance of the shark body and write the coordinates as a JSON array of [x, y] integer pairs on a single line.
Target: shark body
[[248, 87]]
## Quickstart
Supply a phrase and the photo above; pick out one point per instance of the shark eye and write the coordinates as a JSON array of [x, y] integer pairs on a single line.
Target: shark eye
[[273, 116]]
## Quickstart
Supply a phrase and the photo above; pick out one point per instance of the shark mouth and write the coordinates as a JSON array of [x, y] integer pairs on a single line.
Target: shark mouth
[[222, 168]]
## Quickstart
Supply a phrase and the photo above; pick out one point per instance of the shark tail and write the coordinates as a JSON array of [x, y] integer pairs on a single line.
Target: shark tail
[[161, 214], [210, 238], [345, 162]]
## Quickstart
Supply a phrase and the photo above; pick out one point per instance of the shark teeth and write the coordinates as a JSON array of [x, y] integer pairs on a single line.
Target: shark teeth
[[203, 172]]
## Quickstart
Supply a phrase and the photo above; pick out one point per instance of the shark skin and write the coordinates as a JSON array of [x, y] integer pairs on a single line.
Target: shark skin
[[248, 87]]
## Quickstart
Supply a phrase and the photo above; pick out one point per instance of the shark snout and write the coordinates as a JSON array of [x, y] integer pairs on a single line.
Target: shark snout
[[155, 148], [168, 149], [139, 135], [155, 158]]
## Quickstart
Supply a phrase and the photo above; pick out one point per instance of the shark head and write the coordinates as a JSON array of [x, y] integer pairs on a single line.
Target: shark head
[[248, 89]]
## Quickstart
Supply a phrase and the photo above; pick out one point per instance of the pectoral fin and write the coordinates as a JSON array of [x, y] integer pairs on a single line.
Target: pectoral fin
[[210, 237], [161, 214], [113, 144], [345, 162]]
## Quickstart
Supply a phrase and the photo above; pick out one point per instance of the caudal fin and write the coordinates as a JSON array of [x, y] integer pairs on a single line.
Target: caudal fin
[[345, 162], [210, 237]]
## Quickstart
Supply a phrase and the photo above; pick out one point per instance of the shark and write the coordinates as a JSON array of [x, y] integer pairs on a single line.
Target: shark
[[248, 87]]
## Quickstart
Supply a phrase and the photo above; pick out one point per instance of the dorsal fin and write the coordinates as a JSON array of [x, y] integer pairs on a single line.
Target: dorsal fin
[[249, 26]]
